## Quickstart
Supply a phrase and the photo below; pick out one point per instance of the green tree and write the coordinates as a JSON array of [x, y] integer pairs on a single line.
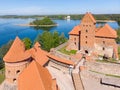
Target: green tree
[[56, 39], [62, 38], [4, 49], [27, 42], [44, 21], [50, 40]]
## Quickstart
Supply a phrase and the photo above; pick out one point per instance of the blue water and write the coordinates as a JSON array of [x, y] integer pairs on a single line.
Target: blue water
[[9, 30]]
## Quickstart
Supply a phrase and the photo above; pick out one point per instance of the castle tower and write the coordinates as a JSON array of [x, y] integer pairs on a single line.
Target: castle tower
[[82, 37], [87, 32], [16, 60]]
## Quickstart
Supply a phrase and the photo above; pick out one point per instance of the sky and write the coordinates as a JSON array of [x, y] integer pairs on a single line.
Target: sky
[[50, 7]]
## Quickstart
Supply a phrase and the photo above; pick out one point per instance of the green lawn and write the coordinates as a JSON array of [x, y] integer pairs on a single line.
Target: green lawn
[[119, 51], [63, 50], [2, 77]]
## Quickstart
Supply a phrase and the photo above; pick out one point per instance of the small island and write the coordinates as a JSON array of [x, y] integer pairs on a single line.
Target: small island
[[45, 22]]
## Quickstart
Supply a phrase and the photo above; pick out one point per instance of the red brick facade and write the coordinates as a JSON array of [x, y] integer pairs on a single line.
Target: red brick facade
[[87, 37]]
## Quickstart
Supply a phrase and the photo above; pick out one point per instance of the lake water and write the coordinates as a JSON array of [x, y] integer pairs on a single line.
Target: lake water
[[9, 30]]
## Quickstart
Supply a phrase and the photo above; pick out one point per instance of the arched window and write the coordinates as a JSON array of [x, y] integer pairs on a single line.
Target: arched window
[[18, 71], [14, 80], [86, 42], [86, 31], [86, 36]]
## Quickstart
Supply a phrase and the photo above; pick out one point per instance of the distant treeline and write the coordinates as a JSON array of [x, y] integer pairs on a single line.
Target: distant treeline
[[74, 17]]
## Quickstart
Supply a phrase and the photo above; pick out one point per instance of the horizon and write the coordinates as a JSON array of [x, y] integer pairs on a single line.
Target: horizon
[[60, 14], [46, 7]]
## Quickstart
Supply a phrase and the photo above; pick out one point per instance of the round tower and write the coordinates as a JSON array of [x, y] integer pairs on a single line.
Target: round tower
[[16, 60]]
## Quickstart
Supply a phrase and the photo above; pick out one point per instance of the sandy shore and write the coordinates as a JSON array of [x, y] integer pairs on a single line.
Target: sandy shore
[[105, 21], [36, 25]]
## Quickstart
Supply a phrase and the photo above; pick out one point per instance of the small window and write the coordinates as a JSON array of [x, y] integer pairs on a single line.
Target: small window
[[75, 43], [90, 25], [75, 39], [103, 42], [86, 51], [103, 48], [18, 71], [8, 71], [86, 30], [86, 42], [14, 80], [86, 36]]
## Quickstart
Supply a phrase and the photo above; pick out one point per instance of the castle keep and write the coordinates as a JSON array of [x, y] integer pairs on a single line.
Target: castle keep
[[88, 38]]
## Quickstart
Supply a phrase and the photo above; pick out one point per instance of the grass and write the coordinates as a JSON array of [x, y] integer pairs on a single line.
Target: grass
[[108, 61], [63, 50], [2, 77], [111, 75], [119, 51]]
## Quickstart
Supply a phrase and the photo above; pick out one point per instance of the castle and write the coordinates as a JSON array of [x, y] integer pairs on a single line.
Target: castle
[[27, 69], [88, 38]]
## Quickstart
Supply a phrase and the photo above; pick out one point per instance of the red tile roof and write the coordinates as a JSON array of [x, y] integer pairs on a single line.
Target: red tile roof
[[41, 56], [90, 16], [75, 30], [16, 52], [69, 62], [38, 54], [106, 31], [35, 77]]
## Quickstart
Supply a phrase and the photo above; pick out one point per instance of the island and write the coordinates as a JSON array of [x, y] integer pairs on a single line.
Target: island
[[45, 22]]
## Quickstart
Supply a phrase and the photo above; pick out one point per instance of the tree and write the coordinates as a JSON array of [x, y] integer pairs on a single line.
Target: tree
[[50, 40], [62, 38], [28, 43], [44, 21], [4, 49]]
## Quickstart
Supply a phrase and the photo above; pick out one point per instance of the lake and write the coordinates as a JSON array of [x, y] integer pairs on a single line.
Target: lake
[[9, 30]]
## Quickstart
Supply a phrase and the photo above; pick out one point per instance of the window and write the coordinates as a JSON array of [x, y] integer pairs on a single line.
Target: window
[[18, 71], [86, 30], [8, 71], [86, 51], [74, 39], [86, 36], [86, 42], [103, 42], [75, 43], [14, 80], [103, 48]]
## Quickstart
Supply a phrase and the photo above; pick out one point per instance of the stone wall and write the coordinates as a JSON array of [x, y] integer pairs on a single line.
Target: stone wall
[[106, 68], [59, 66]]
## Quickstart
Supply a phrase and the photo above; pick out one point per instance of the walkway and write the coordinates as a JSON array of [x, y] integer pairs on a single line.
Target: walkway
[[76, 76], [64, 80]]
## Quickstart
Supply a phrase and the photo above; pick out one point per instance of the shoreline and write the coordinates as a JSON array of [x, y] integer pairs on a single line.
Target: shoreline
[[105, 21], [36, 25]]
